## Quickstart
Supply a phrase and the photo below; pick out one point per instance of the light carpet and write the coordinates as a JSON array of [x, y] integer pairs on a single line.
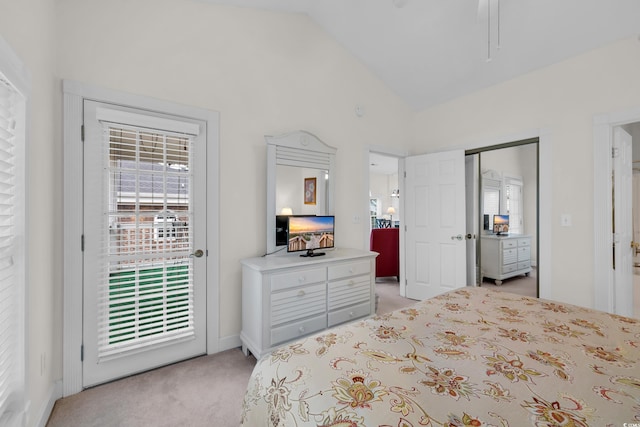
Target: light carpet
[[205, 391]]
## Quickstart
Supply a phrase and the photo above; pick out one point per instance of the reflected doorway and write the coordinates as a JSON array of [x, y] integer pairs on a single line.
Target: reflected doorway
[[503, 202]]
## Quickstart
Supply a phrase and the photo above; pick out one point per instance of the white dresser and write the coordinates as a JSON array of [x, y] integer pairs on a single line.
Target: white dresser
[[505, 256], [287, 297]]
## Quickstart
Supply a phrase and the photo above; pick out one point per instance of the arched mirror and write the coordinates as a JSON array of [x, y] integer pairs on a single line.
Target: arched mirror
[[300, 181]]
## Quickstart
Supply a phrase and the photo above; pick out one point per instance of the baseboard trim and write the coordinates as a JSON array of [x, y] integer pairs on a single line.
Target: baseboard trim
[[55, 393], [227, 343]]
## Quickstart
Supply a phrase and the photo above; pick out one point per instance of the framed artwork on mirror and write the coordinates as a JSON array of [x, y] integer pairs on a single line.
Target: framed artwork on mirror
[[309, 191]]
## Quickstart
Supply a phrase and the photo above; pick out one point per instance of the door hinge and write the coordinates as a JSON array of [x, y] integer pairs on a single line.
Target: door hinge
[[206, 252], [82, 133], [82, 353], [82, 243], [615, 152], [405, 174], [405, 228]]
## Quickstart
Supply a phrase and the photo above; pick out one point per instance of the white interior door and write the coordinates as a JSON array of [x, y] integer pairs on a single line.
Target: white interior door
[[623, 222], [435, 220], [144, 276]]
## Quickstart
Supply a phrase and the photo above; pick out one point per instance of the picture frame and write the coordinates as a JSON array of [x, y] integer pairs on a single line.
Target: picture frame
[[310, 191]]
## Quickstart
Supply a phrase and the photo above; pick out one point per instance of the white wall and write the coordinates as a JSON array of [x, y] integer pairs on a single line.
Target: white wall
[[562, 98], [266, 73], [27, 26]]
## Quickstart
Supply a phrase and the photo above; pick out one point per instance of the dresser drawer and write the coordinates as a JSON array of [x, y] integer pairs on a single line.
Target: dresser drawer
[[297, 278], [350, 269], [509, 268], [524, 242], [298, 303], [524, 265], [350, 313], [349, 291], [524, 253], [509, 256], [298, 329], [510, 243]]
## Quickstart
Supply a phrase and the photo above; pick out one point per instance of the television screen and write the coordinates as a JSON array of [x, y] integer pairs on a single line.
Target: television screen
[[309, 233], [501, 224]]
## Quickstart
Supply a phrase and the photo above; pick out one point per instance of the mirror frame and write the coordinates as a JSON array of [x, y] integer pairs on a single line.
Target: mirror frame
[[302, 149]]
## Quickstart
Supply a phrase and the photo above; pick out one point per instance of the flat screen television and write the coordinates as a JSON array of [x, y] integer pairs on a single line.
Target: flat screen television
[[309, 233], [501, 224]]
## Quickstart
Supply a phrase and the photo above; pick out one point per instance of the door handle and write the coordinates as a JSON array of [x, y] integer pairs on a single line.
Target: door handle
[[198, 253], [468, 236]]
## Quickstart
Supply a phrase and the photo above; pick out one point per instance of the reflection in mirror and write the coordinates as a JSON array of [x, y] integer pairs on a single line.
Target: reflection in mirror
[[292, 198], [299, 182], [491, 187]]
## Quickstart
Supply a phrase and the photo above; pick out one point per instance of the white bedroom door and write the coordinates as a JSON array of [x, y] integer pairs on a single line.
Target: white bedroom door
[[144, 242], [436, 222], [623, 222]]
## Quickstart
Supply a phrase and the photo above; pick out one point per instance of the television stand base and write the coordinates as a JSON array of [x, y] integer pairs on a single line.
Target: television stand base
[[312, 254]]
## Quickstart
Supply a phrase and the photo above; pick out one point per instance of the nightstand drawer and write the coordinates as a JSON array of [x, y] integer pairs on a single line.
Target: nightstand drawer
[[349, 313], [297, 303], [297, 278], [350, 269], [349, 291], [298, 329]]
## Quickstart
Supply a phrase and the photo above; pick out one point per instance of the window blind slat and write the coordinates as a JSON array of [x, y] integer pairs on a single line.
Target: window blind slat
[[146, 293], [11, 350]]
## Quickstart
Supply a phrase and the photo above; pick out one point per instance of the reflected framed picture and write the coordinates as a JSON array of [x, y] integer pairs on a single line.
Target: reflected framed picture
[[309, 191]]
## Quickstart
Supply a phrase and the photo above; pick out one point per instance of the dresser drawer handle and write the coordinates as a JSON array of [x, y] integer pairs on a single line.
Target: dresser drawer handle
[[351, 314], [350, 270], [302, 279], [351, 283], [301, 293], [301, 329]]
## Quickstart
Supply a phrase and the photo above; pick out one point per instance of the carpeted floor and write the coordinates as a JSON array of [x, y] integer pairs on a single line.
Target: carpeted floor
[[521, 285], [205, 391]]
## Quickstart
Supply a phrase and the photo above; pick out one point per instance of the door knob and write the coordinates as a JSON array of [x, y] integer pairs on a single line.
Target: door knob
[[198, 253], [458, 237]]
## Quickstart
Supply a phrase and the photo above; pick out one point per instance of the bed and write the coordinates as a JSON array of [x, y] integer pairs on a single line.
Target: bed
[[469, 357]]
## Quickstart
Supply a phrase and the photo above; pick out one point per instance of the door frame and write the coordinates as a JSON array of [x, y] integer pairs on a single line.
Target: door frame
[[604, 283], [74, 94], [545, 195]]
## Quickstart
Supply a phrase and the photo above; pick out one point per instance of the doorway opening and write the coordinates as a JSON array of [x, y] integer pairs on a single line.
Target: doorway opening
[[383, 219], [627, 216], [502, 205]]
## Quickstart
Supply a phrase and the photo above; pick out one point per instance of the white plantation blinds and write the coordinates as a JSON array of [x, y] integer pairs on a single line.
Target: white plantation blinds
[[12, 280], [145, 294]]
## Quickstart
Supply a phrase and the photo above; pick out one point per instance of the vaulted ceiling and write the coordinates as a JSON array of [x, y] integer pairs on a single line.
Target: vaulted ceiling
[[431, 51]]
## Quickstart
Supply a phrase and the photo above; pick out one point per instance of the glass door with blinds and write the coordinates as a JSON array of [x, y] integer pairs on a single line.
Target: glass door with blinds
[[144, 241]]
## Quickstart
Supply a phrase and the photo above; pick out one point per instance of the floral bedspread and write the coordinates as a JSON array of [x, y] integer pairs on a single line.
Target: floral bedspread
[[470, 357]]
